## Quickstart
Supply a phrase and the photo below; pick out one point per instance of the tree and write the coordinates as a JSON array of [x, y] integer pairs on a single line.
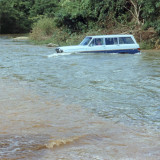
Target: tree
[[14, 16], [44, 7], [18, 16], [151, 14], [134, 7]]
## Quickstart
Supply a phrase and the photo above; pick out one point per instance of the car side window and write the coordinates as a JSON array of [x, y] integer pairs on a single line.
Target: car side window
[[99, 41], [126, 40], [96, 41], [111, 41]]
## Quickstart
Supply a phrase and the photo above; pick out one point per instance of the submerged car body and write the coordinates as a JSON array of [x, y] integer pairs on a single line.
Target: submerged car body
[[104, 44]]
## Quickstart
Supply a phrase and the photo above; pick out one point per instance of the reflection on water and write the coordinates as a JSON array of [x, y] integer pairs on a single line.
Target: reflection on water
[[90, 107]]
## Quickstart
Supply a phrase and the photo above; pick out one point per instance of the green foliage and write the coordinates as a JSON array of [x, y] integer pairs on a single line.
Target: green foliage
[[43, 7], [13, 17], [62, 19], [151, 14], [147, 44], [43, 29], [157, 26], [18, 16], [70, 16], [83, 15]]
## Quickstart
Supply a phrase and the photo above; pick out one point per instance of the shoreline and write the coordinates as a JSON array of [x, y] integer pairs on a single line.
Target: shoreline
[[23, 38], [151, 50], [51, 43]]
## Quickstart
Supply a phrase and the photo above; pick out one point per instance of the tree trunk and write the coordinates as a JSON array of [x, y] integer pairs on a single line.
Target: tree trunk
[[136, 10]]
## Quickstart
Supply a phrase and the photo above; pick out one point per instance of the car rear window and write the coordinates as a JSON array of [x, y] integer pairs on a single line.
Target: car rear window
[[126, 40]]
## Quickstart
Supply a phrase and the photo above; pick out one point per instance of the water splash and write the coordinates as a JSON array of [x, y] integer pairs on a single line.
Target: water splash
[[61, 142], [58, 54]]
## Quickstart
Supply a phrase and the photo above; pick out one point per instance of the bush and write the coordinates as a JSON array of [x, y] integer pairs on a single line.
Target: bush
[[147, 44], [43, 29]]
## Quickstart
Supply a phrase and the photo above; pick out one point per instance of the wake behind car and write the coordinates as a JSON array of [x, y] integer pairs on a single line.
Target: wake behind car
[[104, 44]]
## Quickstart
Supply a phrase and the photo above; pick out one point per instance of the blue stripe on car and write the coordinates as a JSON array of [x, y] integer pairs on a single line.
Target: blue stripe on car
[[130, 51]]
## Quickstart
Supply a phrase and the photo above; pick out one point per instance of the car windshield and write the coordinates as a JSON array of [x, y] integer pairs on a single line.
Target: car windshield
[[86, 41]]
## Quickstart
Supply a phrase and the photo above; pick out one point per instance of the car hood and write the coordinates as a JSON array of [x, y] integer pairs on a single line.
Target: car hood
[[75, 48]]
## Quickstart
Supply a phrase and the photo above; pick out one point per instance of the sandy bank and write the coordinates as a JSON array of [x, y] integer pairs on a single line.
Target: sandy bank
[[21, 39]]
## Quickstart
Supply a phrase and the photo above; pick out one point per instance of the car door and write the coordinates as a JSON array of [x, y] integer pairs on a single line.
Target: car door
[[111, 45], [126, 44], [96, 45]]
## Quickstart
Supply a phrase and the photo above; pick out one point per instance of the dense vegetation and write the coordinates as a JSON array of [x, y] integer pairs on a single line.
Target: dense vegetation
[[52, 18]]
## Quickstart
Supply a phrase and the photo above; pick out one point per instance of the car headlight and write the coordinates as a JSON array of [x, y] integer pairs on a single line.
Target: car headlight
[[58, 50]]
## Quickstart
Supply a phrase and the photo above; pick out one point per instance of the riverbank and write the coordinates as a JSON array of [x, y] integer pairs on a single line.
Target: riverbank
[[148, 39], [17, 39]]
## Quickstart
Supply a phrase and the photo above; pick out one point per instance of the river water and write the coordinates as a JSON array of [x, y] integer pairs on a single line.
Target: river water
[[78, 106]]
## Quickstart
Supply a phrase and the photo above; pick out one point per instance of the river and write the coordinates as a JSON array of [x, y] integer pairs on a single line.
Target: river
[[78, 106]]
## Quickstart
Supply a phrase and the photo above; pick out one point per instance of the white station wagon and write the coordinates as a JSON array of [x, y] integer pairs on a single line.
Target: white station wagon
[[104, 44]]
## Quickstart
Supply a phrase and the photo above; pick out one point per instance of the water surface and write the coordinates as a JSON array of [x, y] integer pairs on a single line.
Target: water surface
[[78, 106]]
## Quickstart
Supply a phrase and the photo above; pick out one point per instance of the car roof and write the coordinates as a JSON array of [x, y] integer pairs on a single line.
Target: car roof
[[109, 36]]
